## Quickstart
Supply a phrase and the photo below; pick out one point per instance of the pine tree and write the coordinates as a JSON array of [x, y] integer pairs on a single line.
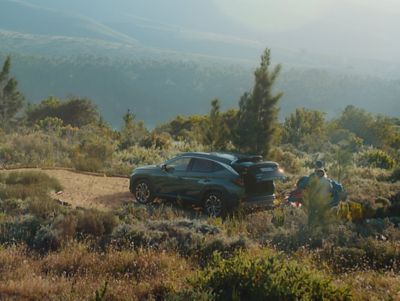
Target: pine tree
[[215, 133], [258, 111], [11, 100]]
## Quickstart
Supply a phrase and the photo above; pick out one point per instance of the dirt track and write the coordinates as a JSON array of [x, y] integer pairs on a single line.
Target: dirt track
[[91, 191]]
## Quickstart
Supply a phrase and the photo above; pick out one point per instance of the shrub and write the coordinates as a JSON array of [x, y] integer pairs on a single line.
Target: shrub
[[43, 207], [316, 204], [27, 184], [96, 223], [46, 239], [395, 176], [195, 239], [72, 261], [344, 259], [157, 141], [287, 160], [244, 277], [376, 158], [93, 155], [21, 230]]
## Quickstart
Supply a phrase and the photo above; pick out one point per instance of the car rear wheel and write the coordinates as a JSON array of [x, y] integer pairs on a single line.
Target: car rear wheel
[[213, 204], [143, 192]]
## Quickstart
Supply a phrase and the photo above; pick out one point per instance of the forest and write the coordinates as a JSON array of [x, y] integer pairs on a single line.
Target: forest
[[161, 86], [165, 251]]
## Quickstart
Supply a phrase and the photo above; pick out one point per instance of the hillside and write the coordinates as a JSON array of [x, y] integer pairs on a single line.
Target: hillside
[[157, 90], [157, 67]]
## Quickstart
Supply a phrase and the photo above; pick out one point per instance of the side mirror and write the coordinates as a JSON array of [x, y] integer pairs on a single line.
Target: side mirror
[[166, 168]]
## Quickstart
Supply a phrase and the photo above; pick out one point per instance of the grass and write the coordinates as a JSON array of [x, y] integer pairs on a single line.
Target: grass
[[27, 184], [164, 251]]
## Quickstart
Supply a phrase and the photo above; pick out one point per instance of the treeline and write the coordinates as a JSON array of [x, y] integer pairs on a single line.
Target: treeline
[[158, 90], [80, 137]]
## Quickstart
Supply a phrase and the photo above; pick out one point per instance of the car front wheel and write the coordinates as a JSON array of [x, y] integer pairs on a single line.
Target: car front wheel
[[213, 204], [143, 192]]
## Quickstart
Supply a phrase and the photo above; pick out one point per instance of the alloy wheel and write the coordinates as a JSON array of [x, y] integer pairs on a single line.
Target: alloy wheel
[[213, 205], [142, 193]]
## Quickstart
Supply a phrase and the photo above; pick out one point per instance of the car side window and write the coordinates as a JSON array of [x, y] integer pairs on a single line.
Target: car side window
[[203, 165], [179, 164]]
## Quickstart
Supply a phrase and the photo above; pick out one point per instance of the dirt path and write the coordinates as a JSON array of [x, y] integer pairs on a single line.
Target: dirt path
[[91, 191]]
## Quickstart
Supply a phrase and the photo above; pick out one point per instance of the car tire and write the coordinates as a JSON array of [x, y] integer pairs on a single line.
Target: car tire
[[213, 204], [143, 192]]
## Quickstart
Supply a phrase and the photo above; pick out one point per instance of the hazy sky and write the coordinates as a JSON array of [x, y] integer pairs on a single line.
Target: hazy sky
[[274, 15], [365, 28], [354, 28]]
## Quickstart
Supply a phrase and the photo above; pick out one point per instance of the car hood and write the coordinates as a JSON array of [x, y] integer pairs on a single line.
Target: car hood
[[146, 168]]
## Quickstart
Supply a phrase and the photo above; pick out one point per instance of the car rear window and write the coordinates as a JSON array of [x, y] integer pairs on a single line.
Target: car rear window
[[203, 165]]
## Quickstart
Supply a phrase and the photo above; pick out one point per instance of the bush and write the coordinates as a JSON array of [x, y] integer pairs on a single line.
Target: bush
[[96, 223], [93, 155], [44, 207], [21, 230], [189, 239], [287, 160], [27, 184], [46, 239], [267, 277], [376, 158], [395, 176], [344, 259]]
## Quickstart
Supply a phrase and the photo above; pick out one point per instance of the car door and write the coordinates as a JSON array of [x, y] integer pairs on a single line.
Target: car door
[[172, 182], [201, 173]]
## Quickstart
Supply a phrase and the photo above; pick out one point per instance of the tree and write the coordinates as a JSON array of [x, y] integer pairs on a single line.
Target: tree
[[305, 129], [11, 100], [216, 133], [132, 132], [76, 112], [258, 111]]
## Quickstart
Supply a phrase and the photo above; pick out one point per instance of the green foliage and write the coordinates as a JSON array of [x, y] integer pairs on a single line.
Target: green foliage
[[305, 129], [376, 158], [156, 140], [373, 130], [93, 154], [246, 277], [11, 100], [289, 161], [395, 176], [316, 204], [258, 111], [46, 239], [340, 159], [189, 238], [29, 184], [76, 112], [132, 132], [216, 135], [188, 129]]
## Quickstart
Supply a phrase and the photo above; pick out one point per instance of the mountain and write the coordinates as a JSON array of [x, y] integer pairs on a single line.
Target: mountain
[[20, 16], [144, 56]]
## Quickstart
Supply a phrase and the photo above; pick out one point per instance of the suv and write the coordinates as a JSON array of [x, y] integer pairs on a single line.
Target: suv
[[216, 181]]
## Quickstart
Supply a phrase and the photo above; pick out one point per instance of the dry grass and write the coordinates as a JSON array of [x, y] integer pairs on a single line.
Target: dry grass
[[371, 285], [76, 273]]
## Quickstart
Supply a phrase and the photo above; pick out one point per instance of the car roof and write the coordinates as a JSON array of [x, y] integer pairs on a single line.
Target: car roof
[[226, 158]]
